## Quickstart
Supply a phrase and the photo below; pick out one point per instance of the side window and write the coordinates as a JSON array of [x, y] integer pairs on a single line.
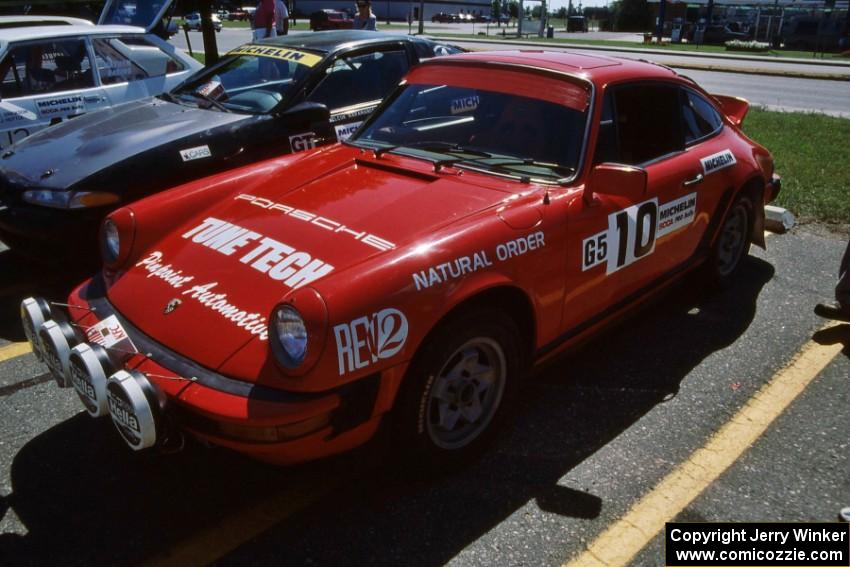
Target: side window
[[648, 122], [46, 67], [698, 116], [362, 78], [131, 58]]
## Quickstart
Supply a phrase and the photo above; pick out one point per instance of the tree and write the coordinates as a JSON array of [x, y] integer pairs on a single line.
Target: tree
[[631, 15], [513, 9]]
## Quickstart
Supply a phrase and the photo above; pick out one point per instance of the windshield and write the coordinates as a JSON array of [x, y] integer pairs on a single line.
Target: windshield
[[253, 81], [509, 135]]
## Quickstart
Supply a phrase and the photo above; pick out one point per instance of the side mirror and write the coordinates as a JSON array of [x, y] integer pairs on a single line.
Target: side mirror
[[308, 113], [615, 179]]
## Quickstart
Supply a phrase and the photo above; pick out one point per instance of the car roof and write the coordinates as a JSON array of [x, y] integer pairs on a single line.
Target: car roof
[[43, 32], [599, 69], [330, 41], [7, 22]]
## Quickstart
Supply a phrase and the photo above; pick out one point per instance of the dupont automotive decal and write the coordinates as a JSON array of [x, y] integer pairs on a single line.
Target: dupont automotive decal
[[322, 222], [718, 161], [366, 340], [344, 131], [109, 333], [277, 260], [63, 105], [198, 152], [632, 232], [254, 323], [304, 141], [300, 57], [463, 265], [465, 104]]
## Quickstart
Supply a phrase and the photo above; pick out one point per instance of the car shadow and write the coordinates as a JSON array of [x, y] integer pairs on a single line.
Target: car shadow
[[21, 278], [83, 497]]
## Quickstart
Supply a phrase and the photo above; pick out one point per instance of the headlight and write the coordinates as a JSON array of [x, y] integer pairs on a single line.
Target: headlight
[[68, 199], [291, 334], [111, 242]]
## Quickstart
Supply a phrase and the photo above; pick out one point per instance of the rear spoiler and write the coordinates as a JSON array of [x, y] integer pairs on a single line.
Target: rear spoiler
[[733, 107]]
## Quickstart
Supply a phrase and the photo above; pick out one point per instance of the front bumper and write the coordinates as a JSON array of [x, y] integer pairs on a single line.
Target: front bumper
[[154, 395]]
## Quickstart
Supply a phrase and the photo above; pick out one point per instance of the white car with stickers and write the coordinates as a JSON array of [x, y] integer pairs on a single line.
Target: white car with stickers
[[51, 73]]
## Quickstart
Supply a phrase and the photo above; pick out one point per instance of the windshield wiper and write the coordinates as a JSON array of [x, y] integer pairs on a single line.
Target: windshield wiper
[[434, 146], [564, 171], [210, 100]]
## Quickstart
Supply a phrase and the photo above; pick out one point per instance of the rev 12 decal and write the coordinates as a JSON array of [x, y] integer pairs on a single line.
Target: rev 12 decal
[[632, 232], [718, 161], [366, 340]]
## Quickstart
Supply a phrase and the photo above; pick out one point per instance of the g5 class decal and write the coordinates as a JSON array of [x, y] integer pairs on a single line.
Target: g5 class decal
[[632, 232], [366, 340], [277, 260], [718, 161]]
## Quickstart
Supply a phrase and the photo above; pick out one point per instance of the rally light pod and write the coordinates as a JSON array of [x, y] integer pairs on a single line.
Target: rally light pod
[[56, 341], [135, 408], [34, 312], [89, 366]]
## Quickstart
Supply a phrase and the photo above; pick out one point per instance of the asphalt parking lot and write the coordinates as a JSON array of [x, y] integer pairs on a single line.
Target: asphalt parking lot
[[597, 436]]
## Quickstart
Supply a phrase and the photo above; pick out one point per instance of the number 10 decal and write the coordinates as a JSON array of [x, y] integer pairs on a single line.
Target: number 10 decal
[[632, 232]]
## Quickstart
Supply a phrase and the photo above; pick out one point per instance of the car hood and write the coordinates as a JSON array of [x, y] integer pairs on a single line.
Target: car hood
[[316, 226], [63, 155]]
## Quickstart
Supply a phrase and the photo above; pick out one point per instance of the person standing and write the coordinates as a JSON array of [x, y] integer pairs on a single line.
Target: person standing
[[264, 20], [281, 15], [840, 308], [365, 19]]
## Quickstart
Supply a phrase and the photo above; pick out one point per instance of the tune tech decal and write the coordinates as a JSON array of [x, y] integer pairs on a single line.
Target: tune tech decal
[[718, 161], [366, 340], [277, 260], [632, 232]]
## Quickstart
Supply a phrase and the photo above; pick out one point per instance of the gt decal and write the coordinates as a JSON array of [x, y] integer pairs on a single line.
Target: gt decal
[[718, 161], [632, 232], [277, 260], [301, 142], [344, 131], [198, 152], [366, 340], [300, 57]]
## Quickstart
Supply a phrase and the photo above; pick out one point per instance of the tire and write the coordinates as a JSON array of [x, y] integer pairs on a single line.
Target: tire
[[446, 412], [732, 244]]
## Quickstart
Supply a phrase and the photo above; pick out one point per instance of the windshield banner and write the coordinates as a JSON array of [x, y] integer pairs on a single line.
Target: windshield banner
[[300, 57]]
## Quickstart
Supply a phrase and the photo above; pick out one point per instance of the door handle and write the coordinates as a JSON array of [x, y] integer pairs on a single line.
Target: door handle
[[696, 180], [94, 98]]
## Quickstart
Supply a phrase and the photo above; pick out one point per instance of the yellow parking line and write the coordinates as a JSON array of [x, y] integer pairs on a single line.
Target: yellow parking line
[[624, 539], [14, 350]]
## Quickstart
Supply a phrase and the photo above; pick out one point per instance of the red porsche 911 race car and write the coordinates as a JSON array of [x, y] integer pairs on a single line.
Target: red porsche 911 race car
[[497, 208]]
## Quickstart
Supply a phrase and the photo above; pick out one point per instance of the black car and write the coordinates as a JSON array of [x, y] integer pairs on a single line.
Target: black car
[[262, 100]]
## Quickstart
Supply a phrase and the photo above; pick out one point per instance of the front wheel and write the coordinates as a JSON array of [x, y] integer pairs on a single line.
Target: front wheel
[[459, 388], [732, 244]]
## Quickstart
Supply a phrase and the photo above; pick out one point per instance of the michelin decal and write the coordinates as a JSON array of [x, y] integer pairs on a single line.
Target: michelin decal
[[718, 161], [633, 231]]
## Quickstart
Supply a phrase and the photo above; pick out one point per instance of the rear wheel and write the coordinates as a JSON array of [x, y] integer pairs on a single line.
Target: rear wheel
[[459, 388], [733, 242]]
